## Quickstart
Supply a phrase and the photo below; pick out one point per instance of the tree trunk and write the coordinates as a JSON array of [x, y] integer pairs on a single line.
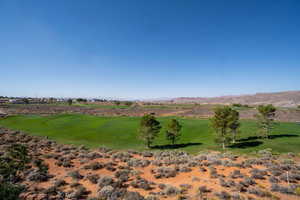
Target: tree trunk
[[223, 145], [234, 135]]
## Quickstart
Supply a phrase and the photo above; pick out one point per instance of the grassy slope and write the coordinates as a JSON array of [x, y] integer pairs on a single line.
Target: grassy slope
[[121, 132]]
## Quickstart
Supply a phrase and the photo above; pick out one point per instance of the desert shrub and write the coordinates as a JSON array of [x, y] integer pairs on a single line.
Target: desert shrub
[[75, 184], [284, 190], [118, 193], [52, 190], [13, 162], [213, 172], [241, 187], [134, 162], [105, 192], [170, 190], [236, 196], [110, 166], [203, 189], [275, 171], [38, 176], [162, 186], [258, 174], [42, 167], [133, 196], [147, 154], [258, 192], [141, 183], [105, 180], [10, 191], [65, 163], [75, 175], [164, 172], [93, 178], [229, 183], [247, 181], [122, 156], [236, 174], [152, 197], [182, 197], [202, 169], [94, 166], [273, 179], [183, 168], [290, 177], [223, 195], [79, 193], [120, 173], [185, 187], [19, 153], [60, 182]]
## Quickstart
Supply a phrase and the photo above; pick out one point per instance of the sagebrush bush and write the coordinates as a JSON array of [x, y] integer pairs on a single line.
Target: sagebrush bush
[[75, 175]]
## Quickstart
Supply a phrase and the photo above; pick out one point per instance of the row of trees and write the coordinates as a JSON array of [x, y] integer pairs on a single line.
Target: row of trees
[[150, 128], [226, 123]]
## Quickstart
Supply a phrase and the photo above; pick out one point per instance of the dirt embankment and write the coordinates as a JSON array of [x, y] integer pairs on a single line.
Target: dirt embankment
[[203, 111]]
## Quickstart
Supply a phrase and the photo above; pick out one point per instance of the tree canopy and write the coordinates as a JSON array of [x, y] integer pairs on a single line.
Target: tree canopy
[[149, 129]]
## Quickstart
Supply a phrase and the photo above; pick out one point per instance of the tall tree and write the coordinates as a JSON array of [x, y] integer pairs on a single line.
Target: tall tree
[[221, 122], [265, 119], [70, 101], [149, 129], [173, 131], [234, 124]]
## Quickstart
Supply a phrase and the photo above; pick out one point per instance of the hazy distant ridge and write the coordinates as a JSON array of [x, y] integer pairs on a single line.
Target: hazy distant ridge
[[284, 99]]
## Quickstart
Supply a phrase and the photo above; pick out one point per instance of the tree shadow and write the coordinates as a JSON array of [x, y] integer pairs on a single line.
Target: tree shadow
[[243, 145], [175, 146], [270, 137]]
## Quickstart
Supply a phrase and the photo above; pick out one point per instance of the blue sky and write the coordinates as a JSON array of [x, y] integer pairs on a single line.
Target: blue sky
[[148, 49]]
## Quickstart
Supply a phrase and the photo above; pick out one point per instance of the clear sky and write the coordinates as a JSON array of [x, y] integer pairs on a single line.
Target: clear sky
[[148, 48]]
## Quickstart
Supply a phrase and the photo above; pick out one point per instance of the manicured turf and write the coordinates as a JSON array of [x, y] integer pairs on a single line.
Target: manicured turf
[[121, 133]]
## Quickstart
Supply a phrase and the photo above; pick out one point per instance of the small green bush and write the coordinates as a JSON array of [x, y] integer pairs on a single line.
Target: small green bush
[[9, 191], [297, 191]]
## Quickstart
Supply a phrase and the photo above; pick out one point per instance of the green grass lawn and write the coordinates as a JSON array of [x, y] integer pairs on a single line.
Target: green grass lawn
[[121, 133]]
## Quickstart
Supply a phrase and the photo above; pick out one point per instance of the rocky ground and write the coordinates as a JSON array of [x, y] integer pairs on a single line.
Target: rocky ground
[[56, 171]]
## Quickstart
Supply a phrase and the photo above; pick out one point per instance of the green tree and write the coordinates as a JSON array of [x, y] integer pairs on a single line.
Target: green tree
[[149, 129], [221, 122], [81, 100], [70, 101], [25, 100], [128, 103], [116, 102], [265, 119], [234, 124], [9, 191], [173, 131], [12, 165]]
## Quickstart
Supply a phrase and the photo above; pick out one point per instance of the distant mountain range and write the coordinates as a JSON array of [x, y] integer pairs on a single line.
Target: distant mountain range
[[282, 99]]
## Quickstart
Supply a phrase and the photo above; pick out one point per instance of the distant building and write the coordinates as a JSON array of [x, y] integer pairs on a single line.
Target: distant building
[[2, 114], [4, 100], [16, 101]]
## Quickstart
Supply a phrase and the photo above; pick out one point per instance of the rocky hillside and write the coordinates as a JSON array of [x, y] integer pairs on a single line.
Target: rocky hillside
[[283, 99]]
